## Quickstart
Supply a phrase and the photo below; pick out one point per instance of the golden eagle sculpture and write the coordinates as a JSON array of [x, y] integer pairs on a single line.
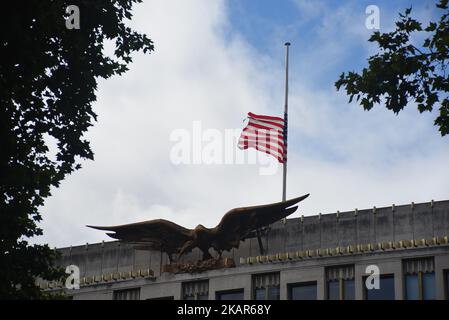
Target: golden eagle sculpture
[[236, 225]]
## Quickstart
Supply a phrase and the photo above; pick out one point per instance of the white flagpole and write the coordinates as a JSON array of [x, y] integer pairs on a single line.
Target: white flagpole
[[284, 180]]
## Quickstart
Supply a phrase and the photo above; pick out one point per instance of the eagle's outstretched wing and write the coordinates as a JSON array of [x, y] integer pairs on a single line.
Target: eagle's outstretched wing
[[239, 223], [158, 234]]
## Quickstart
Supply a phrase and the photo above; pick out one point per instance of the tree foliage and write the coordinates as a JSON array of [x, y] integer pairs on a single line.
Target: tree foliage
[[48, 81], [403, 72]]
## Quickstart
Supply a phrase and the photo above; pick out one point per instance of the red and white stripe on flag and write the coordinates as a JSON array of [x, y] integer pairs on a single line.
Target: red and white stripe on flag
[[265, 134]]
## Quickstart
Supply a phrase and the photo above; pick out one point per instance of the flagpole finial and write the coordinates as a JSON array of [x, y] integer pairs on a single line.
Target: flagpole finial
[[287, 44]]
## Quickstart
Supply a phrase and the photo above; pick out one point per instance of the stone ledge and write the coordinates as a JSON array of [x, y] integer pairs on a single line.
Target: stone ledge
[[347, 250], [98, 279]]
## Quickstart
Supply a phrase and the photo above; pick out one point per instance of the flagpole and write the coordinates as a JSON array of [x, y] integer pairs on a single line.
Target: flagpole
[[284, 166], [284, 180]]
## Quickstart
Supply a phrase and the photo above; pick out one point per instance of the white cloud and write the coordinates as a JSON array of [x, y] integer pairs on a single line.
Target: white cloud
[[343, 156]]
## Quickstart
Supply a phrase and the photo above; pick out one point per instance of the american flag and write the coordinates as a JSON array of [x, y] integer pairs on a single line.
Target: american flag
[[266, 134]]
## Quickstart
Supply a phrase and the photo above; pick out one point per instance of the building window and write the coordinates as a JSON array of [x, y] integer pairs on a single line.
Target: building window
[[446, 278], [127, 294], [266, 286], [302, 291], [385, 291], [230, 295], [340, 283], [195, 290], [419, 279]]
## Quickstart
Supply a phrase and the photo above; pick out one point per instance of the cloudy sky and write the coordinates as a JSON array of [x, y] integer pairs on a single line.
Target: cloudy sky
[[213, 62]]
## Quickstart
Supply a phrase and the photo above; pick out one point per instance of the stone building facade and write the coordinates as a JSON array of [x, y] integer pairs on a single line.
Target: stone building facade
[[329, 256]]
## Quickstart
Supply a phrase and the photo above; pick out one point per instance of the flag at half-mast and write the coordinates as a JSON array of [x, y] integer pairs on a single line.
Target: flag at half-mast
[[266, 134]]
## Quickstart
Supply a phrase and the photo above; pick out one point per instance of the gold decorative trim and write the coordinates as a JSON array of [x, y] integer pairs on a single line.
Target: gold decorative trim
[[348, 250], [98, 279]]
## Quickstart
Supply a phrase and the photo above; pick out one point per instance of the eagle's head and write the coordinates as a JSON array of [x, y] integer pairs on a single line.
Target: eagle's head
[[198, 234], [200, 229]]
